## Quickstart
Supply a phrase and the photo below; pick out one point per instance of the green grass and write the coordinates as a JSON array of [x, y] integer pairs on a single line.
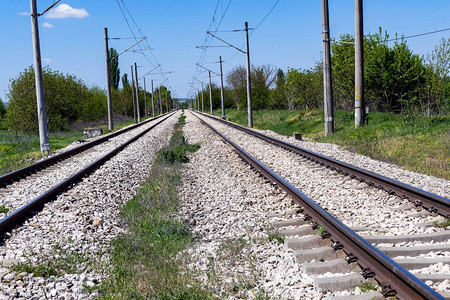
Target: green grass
[[145, 264], [416, 143], [18, 150]]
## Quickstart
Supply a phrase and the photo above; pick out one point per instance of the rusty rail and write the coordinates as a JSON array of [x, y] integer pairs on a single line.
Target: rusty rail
[[393, 277], [20, 215], [430, 201], [45, 163]]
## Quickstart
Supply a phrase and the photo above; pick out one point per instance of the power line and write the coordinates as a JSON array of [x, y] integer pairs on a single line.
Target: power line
[[420, 34]]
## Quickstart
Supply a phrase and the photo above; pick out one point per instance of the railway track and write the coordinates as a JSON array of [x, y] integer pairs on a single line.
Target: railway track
[[43, 164], [343, 251], [57, 185]]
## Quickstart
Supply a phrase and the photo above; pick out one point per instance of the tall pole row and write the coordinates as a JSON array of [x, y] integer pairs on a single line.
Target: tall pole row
[[160, 102], [138, 110], [210, 93], [153, 103], [203, 104], [108, 83], [249, 83], [42, 116], [145, 100], [328, 92], [132, 93], [359, 65], [221, 88]]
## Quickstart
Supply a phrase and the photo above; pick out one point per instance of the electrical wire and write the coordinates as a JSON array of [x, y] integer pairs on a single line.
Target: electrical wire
[[416, 35]]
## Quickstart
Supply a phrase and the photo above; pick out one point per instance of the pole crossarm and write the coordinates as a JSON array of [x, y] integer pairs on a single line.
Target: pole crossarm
[[50, 7], [207, 69], [150, 71], [225, 42], [131, 46], [197, 80], [203, 47]]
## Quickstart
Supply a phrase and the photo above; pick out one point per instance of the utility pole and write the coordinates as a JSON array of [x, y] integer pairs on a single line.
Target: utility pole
[[138, 109], [203, 104], [221, 88], [210, 93], [153, 103], [160, 102], [327, 88], [249, 84], [108, 83], [167, 104], [42, 116], [359, 65], [145, 100], [132, 93]]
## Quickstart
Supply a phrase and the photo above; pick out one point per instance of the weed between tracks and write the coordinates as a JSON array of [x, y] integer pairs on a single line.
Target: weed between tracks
[[144, 261]]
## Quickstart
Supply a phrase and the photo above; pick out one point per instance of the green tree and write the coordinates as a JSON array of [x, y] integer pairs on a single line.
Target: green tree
[[114, 71], [125, 81], [236, 79], [435, 96], [278, 99], [64, 97], [2, 108], [262, 78], [304, 88]]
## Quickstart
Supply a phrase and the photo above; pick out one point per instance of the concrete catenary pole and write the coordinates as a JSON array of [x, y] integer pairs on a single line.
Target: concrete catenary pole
[[108, 83], [203, 104], [249, 82], [42, 116], [145, 100], [210, 93], [327, 88], [221, 89], [167, 103], [160, 102], [132, 93], [138, 109], [153, 103], [359, 65]]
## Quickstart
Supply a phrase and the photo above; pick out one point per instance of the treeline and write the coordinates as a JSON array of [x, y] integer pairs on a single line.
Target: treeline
[[396, 80], [69, 100]]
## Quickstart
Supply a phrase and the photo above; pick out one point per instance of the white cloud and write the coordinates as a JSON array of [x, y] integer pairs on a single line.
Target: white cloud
[[66, 11], [47, 60], [24, 13], [47, 25]]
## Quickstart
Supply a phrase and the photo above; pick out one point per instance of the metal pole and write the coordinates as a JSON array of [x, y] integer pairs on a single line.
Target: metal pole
[[327, 88], [167, 104], [145, 100], [160, 102], [42, 116], [249, 83], [210, 93], [108, 83], [359, 64], [221, 88], [153, 103], [132, 93], [203, 104], [138, 109]]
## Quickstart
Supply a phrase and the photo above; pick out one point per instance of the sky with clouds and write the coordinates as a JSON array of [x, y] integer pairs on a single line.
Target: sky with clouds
[[72, 34]]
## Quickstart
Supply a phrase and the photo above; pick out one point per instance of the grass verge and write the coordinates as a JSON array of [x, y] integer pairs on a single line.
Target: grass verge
[[18, 150], [145, 262], [416, 143]]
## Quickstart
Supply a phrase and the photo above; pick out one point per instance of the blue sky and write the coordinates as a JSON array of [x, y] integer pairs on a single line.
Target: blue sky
[[289, 37]]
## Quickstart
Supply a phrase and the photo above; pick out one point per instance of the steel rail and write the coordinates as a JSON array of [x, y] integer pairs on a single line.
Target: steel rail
[[394, 278], [430, 201], [20, 215], [45, 163]]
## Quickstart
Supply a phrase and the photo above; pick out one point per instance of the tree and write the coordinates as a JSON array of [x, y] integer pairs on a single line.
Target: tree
[[114, 71], [125, 81], [262, 78], [237, 81], [278, 99], [304, 88], [435, 94], [2, 108], [65, 96]]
